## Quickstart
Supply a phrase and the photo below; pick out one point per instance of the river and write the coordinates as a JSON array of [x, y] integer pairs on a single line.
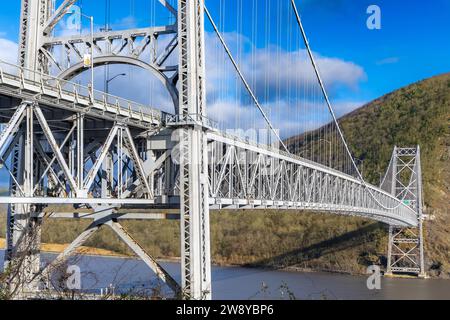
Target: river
[[130, 275]]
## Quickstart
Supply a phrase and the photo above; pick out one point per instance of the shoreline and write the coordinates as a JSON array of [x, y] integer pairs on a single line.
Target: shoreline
[[54, 248]]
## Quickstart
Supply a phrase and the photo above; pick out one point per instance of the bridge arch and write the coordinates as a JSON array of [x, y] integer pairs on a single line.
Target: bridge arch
[[78, 68]]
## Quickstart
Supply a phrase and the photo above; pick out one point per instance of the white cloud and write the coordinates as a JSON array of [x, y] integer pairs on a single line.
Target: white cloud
[[8, 54], [274, 70], [284, 82], [288, 118], [8, 51], [279, 69], [230, 103], [390, 60]]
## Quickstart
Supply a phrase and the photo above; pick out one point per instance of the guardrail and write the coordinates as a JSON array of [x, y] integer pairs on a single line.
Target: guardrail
[[76, 90], [380, 197], [192, 119]]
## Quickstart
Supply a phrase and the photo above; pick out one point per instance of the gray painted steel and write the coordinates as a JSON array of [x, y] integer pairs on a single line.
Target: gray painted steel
[[108, 159]]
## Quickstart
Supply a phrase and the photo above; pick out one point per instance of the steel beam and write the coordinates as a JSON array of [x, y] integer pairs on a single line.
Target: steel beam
[[68, 251], [148, 260], [103, 153], [23, 231], [57, 16], [55, 200], [12, 127]]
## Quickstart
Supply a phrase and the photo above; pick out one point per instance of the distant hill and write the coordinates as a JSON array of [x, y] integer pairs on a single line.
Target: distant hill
[[415, 115], [418, 114]]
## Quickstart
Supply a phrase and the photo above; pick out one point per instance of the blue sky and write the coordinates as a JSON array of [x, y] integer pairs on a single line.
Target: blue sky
[[413, 43]]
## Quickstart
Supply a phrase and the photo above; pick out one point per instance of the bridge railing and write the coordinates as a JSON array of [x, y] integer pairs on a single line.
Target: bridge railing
[[277, 150], [191, 119], [75, 90]]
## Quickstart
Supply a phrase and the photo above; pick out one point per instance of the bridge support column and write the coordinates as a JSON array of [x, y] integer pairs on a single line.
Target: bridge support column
[[34, 14], [22, 260], [194, 194], [406, 245]]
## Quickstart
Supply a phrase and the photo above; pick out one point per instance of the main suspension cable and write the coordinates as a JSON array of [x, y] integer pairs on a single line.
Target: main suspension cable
[[330, 108]]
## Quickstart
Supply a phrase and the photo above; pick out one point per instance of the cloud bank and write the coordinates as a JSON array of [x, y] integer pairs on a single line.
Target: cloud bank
[[273, 73], [8, 51]]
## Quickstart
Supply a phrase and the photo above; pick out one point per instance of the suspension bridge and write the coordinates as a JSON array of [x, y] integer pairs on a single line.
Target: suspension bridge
[[73, 151]]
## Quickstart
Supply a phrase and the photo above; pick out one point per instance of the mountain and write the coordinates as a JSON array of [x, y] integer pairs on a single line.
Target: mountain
[[418, 114]]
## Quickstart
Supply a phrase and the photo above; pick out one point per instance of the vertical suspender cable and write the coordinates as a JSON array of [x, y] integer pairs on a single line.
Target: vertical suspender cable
[[241, 76], [322, 87]]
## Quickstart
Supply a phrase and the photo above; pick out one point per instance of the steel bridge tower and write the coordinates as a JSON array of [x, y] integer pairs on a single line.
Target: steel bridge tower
[[404, 181], [194, 193], [24, 231], [36, 46]]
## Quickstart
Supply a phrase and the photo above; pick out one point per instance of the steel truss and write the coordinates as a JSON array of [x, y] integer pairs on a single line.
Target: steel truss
[[66, 176], [406, 245], [249, 176], [104, 216], [138, 47], [65, 164], [73, 97]]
